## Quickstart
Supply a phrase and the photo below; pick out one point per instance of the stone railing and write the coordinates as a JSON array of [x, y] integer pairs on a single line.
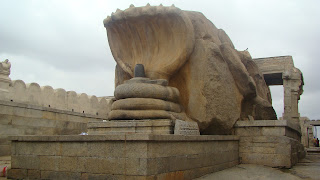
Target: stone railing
[[46, 96]]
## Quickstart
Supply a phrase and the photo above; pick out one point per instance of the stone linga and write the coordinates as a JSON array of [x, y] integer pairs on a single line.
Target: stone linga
[[218, 85]]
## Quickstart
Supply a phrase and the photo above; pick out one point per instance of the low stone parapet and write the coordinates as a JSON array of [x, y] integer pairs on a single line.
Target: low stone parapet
[[268, 128], [274, 151], [130, 156], [272, 143]]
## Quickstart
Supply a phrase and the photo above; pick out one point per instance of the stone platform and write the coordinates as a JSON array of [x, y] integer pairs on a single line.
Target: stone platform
[[274, 143], [158, 126], [127, 156]]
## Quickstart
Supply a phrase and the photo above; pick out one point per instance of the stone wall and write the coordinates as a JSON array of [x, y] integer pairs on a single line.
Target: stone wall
[[29, 109], [46, 96], [274, 151], [132, 156], [274, 143], [26, 119], [268, 128]]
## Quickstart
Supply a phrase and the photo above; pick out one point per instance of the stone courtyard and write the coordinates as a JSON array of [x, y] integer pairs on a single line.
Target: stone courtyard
[[186, 105]]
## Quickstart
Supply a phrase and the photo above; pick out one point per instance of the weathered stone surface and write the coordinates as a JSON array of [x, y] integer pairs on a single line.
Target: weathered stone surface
[[173, 45], [131, 156], [142, 98], [121, 76], [218, 85], [268, 128], [26, 119], [262, 105], [162, 82], [146, 90], [158, 126], [17, 173], [34, 174], [55, 99], [138, 114], [271, 143], [145, 103], [208, 91], [4, 77], [186, 128]]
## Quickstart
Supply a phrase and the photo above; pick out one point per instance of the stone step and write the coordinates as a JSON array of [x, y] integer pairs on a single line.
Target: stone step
[[313, 150]]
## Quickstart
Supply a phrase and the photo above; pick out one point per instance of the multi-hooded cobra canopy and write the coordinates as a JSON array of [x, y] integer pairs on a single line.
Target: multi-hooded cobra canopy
[[161, 38]]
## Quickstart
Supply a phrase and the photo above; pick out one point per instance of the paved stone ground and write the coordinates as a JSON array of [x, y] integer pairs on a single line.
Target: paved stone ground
[[307, 169]]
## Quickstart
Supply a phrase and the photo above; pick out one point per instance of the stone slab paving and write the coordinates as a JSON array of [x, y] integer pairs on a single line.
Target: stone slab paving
[[308, 168], [250, 172]]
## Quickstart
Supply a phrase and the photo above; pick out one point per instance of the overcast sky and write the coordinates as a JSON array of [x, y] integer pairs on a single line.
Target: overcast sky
[[63, 43]]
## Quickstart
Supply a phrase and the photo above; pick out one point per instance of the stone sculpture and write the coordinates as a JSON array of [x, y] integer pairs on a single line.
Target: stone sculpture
[[143, 98], [218, 85], [5, 67]]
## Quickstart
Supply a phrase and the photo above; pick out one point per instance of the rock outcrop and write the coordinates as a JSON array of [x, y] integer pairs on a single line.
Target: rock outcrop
[[218, 85]]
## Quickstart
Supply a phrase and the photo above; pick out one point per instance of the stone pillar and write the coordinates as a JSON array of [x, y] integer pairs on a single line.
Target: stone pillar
[[4, 75], [287, 99], [292, 85], [310, 136]]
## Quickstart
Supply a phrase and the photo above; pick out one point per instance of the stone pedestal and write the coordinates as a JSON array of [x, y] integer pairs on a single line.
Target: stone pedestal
[[130, 156], [272, 143], [145, 106], [142, 98]]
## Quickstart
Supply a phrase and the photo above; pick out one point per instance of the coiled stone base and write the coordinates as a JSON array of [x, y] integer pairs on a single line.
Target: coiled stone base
[[142, 98], [145, 104]]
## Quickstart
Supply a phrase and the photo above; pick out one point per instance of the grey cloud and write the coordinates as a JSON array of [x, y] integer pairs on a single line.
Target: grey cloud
[[54, 37]]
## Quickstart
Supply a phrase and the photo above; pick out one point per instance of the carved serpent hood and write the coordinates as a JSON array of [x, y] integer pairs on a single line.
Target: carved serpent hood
[[161, 38]]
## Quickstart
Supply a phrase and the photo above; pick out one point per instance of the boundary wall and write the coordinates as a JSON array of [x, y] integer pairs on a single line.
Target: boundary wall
[[30, 109], [46, 96]]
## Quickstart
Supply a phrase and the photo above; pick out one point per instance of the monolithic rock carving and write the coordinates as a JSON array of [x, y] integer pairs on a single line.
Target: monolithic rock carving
[[161, 40], [218, 85]]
